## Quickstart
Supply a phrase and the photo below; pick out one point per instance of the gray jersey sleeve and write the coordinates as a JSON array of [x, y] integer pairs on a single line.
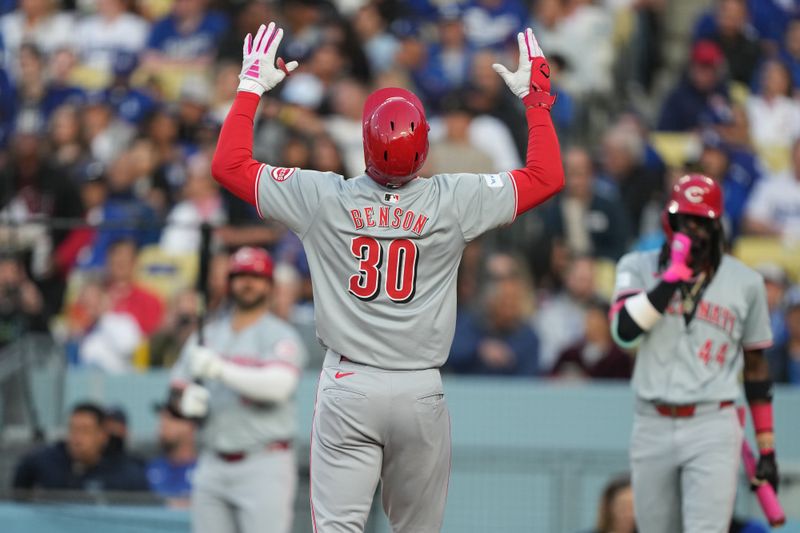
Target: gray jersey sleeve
[[292, 195], [481, 201], [629, 279], [757, 332]]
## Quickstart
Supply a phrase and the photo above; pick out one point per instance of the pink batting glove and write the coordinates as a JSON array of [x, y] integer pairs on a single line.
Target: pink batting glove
[[679, 255]]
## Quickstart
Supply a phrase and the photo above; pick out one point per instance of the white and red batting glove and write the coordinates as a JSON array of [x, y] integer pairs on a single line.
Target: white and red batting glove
[[205, 363], [259, 73], [194, 401], [531, 81], [678, 269]]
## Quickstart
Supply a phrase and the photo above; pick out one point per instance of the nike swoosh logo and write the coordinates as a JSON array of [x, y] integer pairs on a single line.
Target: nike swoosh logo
[[343, 374]]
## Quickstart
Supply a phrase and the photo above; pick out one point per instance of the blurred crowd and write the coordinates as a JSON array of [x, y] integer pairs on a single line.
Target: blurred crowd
[[110, 111]]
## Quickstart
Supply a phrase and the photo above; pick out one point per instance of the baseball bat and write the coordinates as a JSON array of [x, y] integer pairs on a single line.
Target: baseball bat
[[202, 280], [767, 498]]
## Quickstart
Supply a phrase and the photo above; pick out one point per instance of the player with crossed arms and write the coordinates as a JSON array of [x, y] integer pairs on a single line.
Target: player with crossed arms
[[384, 249], [698, 316]]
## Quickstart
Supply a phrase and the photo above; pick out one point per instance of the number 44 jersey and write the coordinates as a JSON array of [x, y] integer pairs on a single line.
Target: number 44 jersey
[[682, 363], [384, 261]]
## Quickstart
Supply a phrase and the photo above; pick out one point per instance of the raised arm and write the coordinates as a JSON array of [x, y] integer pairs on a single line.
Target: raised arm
[[233, 165], [543, 174]]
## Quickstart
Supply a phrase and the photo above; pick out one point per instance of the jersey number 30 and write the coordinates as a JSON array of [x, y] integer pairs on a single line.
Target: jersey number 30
[[401, 269]]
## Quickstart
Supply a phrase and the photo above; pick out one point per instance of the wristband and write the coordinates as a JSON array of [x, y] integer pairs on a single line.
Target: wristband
[[642, 312]]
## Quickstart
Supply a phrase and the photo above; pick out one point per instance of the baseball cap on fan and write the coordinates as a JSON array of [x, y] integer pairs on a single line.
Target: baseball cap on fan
[[707, 53]]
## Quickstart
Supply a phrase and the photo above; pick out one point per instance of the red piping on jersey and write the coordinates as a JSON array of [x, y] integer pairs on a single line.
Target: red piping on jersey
[[543, 175], [255, 190], [233, 165], [311, 455], [757, 345]]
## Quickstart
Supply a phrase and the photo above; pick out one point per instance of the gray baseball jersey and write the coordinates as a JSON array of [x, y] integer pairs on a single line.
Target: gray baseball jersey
[[383, 261], [679, 363], [236, 423]]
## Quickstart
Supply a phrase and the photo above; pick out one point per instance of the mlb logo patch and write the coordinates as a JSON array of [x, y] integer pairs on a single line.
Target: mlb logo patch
[[493, 180], [391, 198], [281, 173]]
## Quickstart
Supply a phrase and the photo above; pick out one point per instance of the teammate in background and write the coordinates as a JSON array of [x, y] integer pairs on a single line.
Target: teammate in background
[[246, 475], [698, 317], [383, 250]]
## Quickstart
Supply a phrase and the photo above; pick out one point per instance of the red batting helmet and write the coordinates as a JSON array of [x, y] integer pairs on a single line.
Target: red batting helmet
[[248, 260], [395, 136], [693, 194]]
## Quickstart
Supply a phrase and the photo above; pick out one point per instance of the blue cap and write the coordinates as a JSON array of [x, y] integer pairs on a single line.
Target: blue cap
[[404, 28], [125, 63], [450, 12]]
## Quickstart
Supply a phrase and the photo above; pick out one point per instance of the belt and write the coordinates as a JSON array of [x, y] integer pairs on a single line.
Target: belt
[[687, 410], [235, 457]]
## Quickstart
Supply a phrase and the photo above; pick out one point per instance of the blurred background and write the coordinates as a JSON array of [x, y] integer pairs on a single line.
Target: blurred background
[[109, 115]]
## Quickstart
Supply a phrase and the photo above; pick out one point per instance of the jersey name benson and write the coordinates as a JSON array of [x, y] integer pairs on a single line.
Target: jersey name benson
[[388, 217]]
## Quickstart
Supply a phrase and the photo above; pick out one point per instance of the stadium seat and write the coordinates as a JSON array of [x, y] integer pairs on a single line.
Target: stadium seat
[[165, 274], [755, 250], [675, 148]]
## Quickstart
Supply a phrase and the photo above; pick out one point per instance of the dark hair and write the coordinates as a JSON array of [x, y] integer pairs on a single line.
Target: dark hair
[[607, 499], [90, 408], [717, 246]]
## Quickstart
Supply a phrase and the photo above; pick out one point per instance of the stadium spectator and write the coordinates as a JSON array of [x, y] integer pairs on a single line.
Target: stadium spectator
[[448, 59], [180, 321], [737, 170], [585, 220], [246, 18], [30, 187], [584, 38], [732, 31], [493, 23], [790, 52], [38, 22], [615, 514], [380, 46], [784, 357], [22, 307], [131, 104], [59, 89], [596, 356], [567, 308], [116, 425], [701, 97], [774, 116], [774, 208], [486, 94], [623, 165], [170, 473], [326, 156], [80, 462], [187, 37], [452, 150], [776, 282], [344, 125], [499, 341], [126, 295], [68, 151], [111, 29], [201, 204]]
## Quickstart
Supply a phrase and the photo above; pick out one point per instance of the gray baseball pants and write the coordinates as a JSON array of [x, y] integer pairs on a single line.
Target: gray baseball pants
[[372, 424], [684, 470], [254, 495]]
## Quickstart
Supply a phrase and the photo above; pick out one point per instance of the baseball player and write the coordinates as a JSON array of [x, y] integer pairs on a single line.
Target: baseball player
[[246, 475], [698, 317], [383, 250]]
